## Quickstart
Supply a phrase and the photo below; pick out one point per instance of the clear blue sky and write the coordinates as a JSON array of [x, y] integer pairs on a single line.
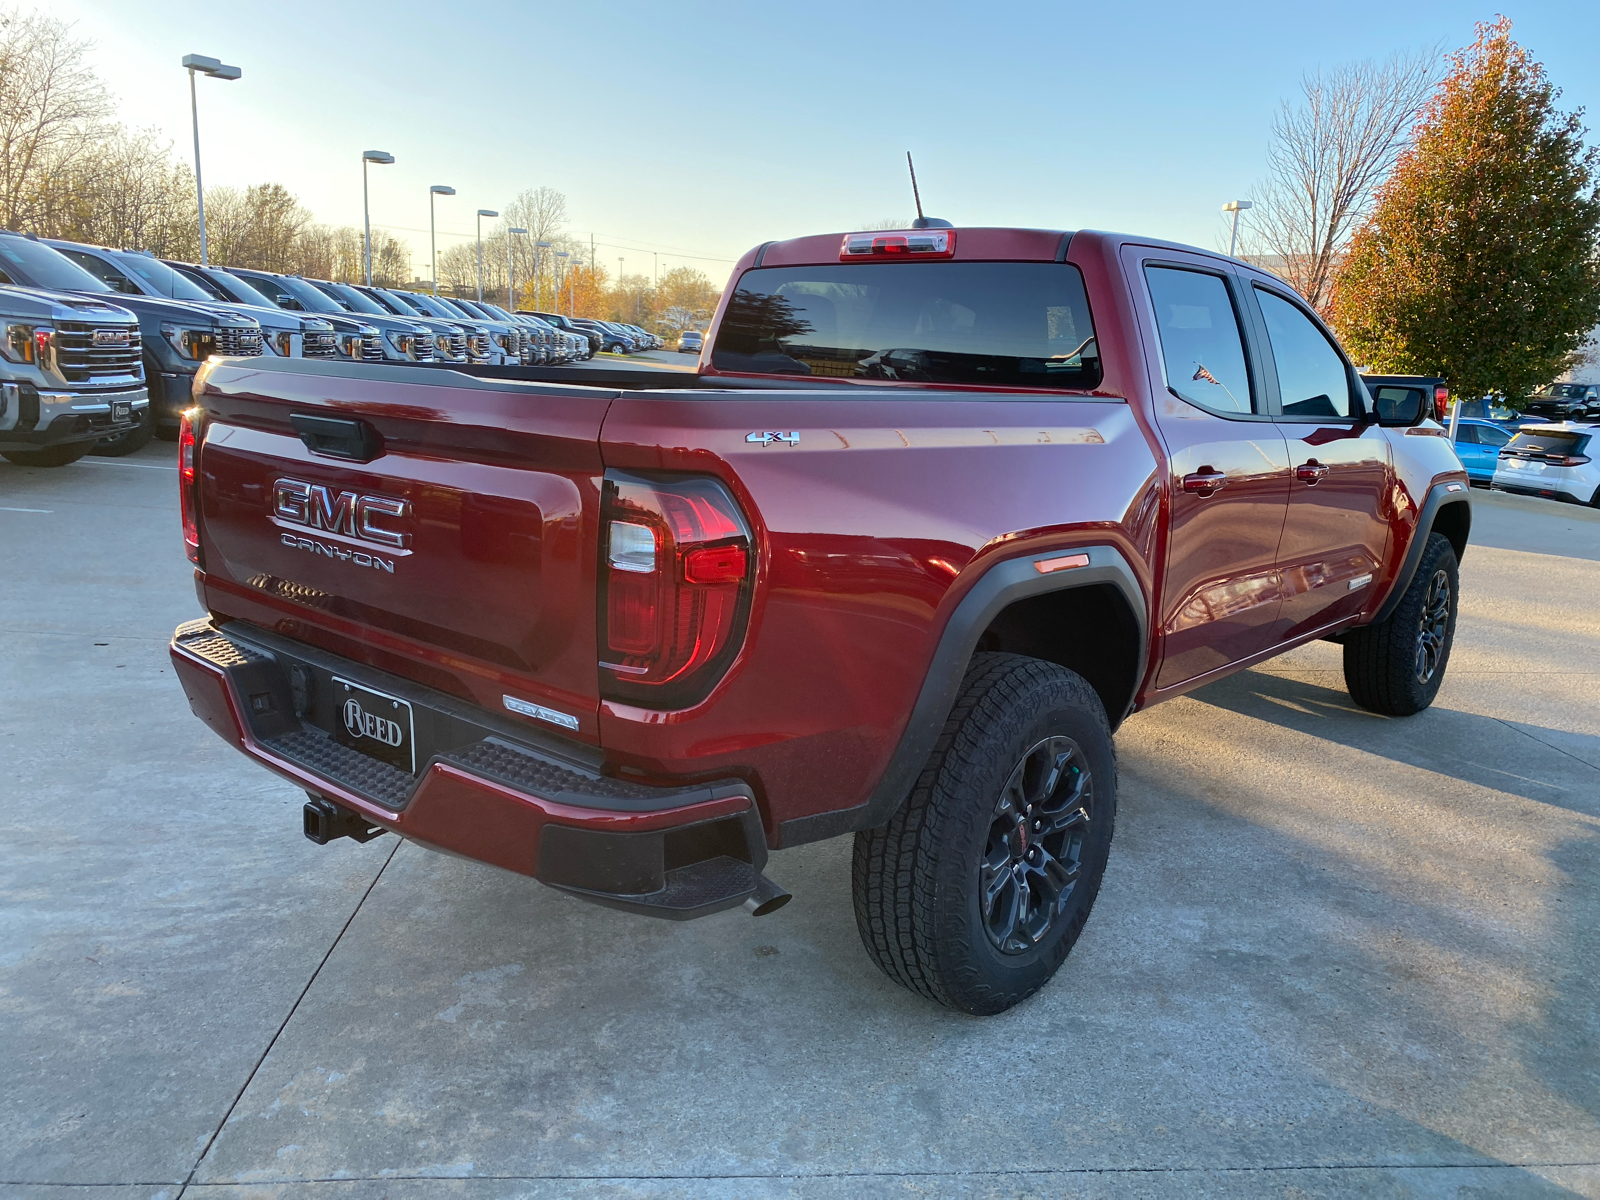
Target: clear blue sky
[[703, 129]]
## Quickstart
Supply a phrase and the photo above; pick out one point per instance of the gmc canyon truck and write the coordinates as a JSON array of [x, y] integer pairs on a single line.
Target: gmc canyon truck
[[939, 509]]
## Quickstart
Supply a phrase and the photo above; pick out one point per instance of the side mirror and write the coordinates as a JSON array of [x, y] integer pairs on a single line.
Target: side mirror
[[287, 301], [1400, 407]]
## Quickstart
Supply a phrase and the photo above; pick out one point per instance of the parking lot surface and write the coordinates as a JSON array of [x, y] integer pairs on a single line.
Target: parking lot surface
[[1334, 952]]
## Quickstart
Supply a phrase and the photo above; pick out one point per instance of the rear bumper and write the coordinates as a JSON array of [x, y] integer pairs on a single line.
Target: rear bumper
[[1557, 490], [486, 791]]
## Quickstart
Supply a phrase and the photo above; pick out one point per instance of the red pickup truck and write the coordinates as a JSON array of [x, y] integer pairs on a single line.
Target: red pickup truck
[[940, 508]]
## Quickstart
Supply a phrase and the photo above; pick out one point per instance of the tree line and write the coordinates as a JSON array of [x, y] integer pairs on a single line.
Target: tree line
[[1444, 222]]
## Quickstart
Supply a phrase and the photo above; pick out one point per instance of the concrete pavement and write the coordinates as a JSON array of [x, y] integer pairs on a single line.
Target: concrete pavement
[[1334, 953]]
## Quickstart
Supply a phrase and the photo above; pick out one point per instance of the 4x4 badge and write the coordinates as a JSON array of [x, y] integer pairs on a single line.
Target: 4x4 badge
[[766, 439]]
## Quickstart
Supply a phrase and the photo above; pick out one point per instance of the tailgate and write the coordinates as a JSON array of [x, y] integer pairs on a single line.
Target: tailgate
[[463, 555]]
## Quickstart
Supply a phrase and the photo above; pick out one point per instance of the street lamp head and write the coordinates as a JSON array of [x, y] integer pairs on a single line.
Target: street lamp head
[[1237, 206], [487, 212], [376, 156], [543, 245], [199, 62], [226, 72], [561, 254], [439, 189], [514, 229]]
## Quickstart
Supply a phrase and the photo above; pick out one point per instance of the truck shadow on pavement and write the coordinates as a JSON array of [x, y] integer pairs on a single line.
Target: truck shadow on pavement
[[1551, 766]]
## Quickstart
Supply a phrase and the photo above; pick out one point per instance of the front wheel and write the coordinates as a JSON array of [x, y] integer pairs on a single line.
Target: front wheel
[[977, 888], [48, 456], [1395, 667]]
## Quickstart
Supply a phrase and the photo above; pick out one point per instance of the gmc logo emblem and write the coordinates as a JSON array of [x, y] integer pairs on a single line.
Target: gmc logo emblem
[[112, 337], [348, 514]]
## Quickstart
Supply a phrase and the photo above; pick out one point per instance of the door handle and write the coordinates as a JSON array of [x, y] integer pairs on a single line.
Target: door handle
[[337, 437], [1206, 481], [1310, 472]]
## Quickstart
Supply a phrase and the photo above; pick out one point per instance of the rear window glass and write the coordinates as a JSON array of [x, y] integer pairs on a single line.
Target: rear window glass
[[1554, 442], [985, 324]]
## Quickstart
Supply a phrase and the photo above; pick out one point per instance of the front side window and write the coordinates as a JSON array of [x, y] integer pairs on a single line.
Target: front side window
[[984, 324], [1312, 381], [34, 264], [104, 272], [162, 278], [1201, 346]]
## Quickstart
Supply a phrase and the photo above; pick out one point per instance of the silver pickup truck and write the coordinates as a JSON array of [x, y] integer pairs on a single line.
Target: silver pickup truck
[[70, 374]]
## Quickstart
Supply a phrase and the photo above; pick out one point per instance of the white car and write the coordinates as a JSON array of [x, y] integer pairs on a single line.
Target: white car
[[1554, 461]]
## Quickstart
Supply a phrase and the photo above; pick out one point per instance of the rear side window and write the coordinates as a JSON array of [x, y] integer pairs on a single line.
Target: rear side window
[[1201, 346], [978, 323], [1492, 435], [1312, 381]]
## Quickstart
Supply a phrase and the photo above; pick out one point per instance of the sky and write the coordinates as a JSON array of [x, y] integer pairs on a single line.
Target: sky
[[683, 134]]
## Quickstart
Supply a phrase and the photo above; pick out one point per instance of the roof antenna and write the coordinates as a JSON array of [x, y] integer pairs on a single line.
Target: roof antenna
[[922, 222]]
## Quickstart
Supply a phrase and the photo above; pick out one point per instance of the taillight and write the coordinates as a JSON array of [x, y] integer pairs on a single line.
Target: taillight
[[913, 243], [186, 484], [1441, 401], [1574, 460], [678, 566]]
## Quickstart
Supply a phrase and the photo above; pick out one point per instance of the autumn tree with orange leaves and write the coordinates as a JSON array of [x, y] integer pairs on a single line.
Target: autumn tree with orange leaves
[[1480, 261]]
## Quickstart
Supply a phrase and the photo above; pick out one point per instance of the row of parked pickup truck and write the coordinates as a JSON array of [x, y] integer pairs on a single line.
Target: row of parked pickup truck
[[102, 345]]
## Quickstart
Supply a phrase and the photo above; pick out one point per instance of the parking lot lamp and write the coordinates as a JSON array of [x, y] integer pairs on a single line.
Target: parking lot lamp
[[437, 189], [1235, 207], [538, 272], [511, 265], [199, 64], [369, 156], [482, 213]]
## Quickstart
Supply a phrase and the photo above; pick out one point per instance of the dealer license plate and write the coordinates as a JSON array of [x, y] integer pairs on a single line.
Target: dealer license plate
[[121, 410], [376, 724]]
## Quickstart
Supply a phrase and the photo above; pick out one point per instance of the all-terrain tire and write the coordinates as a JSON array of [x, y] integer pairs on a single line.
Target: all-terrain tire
[[49, 456], [1395, 666], [133, 439], [924, 884]]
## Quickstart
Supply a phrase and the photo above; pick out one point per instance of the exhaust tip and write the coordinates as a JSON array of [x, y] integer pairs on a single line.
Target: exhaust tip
[[767, 898]]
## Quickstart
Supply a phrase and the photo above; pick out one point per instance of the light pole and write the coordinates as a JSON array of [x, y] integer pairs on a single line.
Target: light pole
[[560, 274], [482, 213], [370, 156], [200, 64], [511, 264], [1235, 207], [538, 272], [437, 189]]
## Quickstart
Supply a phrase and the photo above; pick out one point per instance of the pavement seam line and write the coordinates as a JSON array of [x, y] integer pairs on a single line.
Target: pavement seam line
[[1267, 1168], [293, 1008], [1549, 745]]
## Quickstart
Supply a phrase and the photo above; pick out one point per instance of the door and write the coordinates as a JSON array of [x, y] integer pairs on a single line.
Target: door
[[1336, 533], [1228, 462], [1478, 446]]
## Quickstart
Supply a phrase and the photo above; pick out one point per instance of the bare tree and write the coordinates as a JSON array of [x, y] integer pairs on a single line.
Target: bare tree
[[1330, 153], [542, 211], [50, 105], [886, 223]]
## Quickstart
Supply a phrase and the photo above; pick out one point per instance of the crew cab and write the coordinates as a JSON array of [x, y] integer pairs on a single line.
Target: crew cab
[[939, 509]]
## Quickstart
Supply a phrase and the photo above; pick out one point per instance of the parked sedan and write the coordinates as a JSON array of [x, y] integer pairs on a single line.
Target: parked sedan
[[1478, 445], [1551, 461]]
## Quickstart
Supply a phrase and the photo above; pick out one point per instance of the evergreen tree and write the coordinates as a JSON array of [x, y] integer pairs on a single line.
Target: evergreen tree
[[1480, 262]]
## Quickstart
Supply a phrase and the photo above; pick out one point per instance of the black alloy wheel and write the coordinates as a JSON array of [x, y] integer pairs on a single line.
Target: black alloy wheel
[[1033, 860], [1434, 625]]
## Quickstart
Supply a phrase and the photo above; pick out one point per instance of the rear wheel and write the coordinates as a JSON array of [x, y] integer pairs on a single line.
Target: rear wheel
[[1395, 667], [48, 456], [977, 888]]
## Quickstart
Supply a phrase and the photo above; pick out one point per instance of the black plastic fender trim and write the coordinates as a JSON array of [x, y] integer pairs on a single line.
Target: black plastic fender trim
[[1451, 491], [1002, 585]]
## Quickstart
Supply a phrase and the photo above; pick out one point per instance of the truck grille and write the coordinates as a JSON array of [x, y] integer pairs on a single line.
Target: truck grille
[[372, 348], [321, 344], [81, 361], [478, 346], [238, 341], [458, 343]]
